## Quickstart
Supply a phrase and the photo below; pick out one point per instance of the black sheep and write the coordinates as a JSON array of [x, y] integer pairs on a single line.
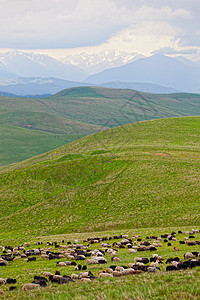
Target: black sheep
[[171, 268], [31, 259], [11, 281]]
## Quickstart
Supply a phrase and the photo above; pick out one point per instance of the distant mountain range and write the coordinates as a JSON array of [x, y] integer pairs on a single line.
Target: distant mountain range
[[38, 65], [97, 62], [43, 87], [24, 73], [156, 69], [27, 86], [5, 72]]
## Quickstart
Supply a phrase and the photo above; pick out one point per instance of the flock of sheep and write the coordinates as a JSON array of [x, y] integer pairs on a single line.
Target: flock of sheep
[[100, 251]]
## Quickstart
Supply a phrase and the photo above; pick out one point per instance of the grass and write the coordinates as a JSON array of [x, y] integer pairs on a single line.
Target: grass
[[83, 111], [135, 176], [18, 144], [142, 178], [162, 285]]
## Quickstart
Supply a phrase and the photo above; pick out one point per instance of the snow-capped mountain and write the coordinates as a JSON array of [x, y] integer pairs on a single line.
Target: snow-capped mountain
[[5, 72], [157, 69], [97, 62], [26, 64]]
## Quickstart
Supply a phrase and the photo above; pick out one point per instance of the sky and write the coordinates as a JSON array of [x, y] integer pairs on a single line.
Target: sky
[[71, 26]]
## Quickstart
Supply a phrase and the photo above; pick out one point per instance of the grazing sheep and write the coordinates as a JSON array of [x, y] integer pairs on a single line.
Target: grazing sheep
[[171, 268], [74, 276], [130, 265], [30, 286], [131, 251], [117, 274], [104, 275], [85, 275], [188, 255], [2, 281], [109, 270], [31, 259], [152, 269], [119, 269], [47, 274], [3, 263], [11, 281], [154, 264], [115, 259], [85, 280], [61, 264], [40, 281], [128, 272]]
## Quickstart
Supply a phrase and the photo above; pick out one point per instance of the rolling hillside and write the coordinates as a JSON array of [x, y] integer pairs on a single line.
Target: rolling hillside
[[135, 176], [18, 144], [78, 112]]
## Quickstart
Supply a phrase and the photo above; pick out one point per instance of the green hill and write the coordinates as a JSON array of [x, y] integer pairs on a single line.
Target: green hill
[[18, 144], [135, 176], [82, 111]]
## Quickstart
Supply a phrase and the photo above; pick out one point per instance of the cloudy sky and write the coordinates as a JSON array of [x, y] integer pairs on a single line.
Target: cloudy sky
[[143, 26]]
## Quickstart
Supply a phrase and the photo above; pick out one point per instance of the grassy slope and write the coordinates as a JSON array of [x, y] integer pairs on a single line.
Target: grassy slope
[[139, 175], [183, 284], [18, 144], [82, 111]]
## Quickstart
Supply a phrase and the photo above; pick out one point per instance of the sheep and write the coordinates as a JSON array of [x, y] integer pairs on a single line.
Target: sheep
[[130, 265], [31, 259], [85, 280], [3, 263], [152, 269], [30, 286], [91, 261], [44, 256], [74, 276], [109, 270], [2, 281], [104, 275], [171, 268], [111, 251], [115, 259], [188, 255], [131, 251], [11, 280], [65, 279], [61, 264], [117, 274], [128, 271], [47, 274], [80, 257], [40, 280], [154, 264]]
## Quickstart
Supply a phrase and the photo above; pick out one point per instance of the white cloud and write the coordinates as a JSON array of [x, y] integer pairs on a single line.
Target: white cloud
[[135, 25], [143, 38]]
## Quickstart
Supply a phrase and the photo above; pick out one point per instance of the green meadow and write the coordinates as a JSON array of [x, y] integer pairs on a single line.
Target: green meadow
[[183, 284], [78, 112], [141, 175], [142, 178]]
